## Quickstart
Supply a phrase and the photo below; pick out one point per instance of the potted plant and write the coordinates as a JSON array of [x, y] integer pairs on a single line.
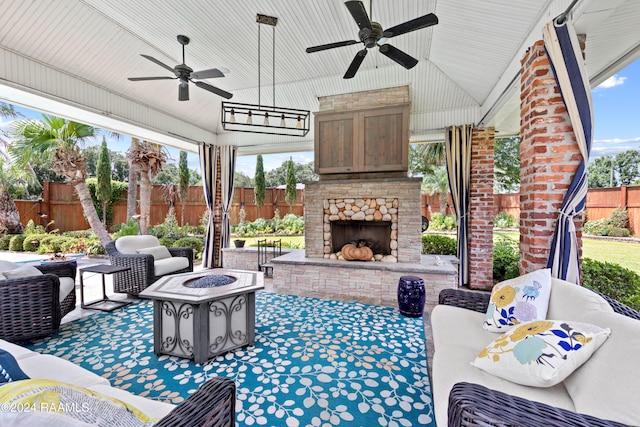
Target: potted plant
[[239, 243]]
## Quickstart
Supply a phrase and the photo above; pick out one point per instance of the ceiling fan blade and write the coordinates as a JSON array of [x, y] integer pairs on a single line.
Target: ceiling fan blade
[[152, 59], [331, 46], [355, 64], [407, 61], [359, 13], [415, 24], [214, 89], [135, 79], [207, 74], [183, 92]]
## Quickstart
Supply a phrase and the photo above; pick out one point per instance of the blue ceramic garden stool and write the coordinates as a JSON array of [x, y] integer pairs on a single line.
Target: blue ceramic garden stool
[[411, 296]]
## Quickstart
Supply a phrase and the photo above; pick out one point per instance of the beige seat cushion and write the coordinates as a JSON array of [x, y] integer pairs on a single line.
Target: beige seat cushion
[[67, 285], [458, 337], [570, 301], [131, 244], [169, 265], [47, 367], [606, 386], [152, 408]]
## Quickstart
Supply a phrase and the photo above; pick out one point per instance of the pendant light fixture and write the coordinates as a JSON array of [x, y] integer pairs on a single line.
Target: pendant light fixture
[[260, 118]]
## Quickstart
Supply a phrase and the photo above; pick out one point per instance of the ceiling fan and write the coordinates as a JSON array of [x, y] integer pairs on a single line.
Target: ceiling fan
[[371, 33], [186, 74]]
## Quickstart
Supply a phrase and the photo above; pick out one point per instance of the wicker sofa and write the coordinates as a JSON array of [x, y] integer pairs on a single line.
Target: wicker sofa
[[602, 392], [140, 254], [212, 405], [32, 306]]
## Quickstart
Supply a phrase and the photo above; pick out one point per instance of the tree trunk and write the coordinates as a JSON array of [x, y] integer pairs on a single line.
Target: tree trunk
[[9, 214], [145, 202], [90, 212], [132, 192]]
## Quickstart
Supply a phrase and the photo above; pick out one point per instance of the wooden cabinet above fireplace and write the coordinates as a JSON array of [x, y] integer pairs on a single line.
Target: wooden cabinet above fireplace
[[374, 140]]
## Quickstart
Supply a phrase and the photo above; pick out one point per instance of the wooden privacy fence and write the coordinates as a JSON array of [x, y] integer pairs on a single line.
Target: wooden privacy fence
[[60, 204]]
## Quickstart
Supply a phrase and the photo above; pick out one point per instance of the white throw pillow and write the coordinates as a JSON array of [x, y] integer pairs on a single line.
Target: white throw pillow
[[158, 252], [541, 353], [521, 299], [24, 271]]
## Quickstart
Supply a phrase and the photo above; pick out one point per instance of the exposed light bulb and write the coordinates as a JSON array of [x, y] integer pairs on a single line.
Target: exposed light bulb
[[283, 124], [249, 119], [232, 117], [299, 123], [266, 119]]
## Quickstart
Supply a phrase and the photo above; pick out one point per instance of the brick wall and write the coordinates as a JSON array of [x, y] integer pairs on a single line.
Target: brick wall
[[481, 209], [549, 157], [365, 99]]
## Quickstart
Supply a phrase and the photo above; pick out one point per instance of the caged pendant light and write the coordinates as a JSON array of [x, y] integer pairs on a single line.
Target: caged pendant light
[[259, 118]]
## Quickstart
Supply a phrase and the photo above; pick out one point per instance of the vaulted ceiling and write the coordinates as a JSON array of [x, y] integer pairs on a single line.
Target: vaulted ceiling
[[72, 58]]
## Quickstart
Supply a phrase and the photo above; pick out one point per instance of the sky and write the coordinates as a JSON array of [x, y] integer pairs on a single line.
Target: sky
[[616, 104]]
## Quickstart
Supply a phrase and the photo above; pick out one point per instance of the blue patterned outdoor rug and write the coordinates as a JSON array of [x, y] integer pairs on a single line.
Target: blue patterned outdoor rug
[[315, 362]]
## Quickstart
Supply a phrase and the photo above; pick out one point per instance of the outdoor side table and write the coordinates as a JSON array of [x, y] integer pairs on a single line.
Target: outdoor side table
[[200, 323], [104, 304]]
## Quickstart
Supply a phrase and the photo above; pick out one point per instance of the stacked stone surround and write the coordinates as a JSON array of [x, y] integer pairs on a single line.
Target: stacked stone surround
[[361, 209], [406, 192], [549, 157], [481, 209]]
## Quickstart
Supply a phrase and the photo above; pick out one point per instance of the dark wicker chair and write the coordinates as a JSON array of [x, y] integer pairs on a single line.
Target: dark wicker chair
[[30, 307], [141, 273], [212, 405], [476, 405]]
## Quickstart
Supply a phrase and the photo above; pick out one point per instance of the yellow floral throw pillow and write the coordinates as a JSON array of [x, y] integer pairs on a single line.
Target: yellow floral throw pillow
[[518, 300], [541, 353]]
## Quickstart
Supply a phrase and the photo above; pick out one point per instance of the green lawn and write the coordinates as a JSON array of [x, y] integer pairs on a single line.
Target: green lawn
[[287, 241], [625, 254]]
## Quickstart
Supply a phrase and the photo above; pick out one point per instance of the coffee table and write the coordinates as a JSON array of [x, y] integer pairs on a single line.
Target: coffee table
[[201, 323]]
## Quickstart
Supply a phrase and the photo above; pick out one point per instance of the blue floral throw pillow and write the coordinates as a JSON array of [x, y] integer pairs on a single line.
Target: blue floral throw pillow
[[521, 299], [541, 353], [9, 369]]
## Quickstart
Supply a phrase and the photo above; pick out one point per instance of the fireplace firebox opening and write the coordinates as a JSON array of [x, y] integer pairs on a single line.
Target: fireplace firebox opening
[[374, 234]]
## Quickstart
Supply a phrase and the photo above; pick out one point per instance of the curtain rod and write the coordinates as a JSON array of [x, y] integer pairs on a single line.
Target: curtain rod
[[563, 16]]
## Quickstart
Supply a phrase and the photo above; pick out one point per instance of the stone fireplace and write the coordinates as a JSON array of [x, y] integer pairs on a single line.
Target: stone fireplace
[[384, 212]]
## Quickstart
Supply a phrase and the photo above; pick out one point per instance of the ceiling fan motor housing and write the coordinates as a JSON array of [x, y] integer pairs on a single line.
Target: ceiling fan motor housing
[[370, 37]]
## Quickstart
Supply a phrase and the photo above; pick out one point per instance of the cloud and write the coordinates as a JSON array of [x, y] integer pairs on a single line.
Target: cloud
[[611, 147], [612, 81]]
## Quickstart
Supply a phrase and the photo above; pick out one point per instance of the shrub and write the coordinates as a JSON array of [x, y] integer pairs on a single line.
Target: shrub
[[441, 222], [599, 227], [290, 224], [32, 242], [435, 244], [80, 234], [167, 241], [612, 280], [131, 228], [93, 247], [502, 220], [52, 244], [619, 232], [4, 242], [506, 259], [195, 243], [619, 218], [16, 242]]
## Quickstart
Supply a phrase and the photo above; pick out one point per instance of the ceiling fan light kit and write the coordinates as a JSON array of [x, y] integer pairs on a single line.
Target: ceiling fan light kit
[[371, 34], [258, 118]]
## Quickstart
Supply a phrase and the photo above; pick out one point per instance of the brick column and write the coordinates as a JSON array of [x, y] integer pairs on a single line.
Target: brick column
[[481, 209], [549, 157]]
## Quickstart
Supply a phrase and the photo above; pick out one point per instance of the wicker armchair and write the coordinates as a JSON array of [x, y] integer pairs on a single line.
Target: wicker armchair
[[142, 271], [477, 405], [212, 405], [30, 307]]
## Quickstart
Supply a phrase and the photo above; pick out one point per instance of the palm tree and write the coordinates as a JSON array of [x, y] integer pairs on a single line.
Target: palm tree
[[148, 158], [437, 182], [60, 139], [132, 191], [9, 214]]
